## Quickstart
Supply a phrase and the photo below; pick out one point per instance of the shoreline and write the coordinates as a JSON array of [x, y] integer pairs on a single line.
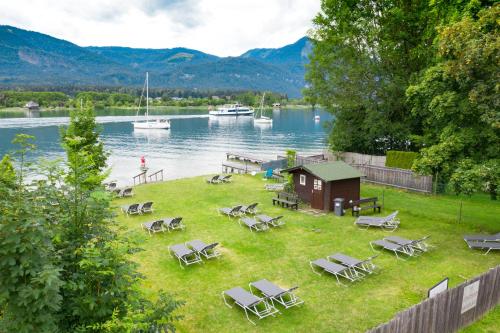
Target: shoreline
[[156, 107]]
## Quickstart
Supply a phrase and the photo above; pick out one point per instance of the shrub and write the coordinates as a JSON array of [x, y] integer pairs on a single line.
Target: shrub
[[400, 159]]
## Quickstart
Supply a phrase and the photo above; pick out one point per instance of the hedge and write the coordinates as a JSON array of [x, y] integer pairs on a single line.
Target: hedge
[[400, 159]]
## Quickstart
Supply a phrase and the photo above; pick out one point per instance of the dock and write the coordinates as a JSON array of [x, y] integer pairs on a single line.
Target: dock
[[244, 158], [239, 168]]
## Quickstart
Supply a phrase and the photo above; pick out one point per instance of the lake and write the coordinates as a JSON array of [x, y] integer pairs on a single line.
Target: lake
[[196, 144]]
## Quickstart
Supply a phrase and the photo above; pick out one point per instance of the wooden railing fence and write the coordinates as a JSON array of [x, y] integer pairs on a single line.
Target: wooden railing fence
[[450, 310], [396, 177]]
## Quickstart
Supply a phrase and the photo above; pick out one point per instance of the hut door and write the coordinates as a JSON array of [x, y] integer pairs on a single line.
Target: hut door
[[317, 194]]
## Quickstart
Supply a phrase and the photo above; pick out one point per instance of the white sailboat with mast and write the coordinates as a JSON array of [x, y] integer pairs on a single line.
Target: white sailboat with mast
[[262, 119], [149, 123]]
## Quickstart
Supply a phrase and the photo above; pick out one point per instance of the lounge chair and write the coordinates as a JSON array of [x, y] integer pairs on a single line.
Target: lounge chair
[[184, 255], [389, 222], [483, 238], [225, 178], [231, 211], [126, 192], [268, 174], [358, 267], [249, 303], [131, 209], [173, 223], [254, 224], [110, 186], [285, 297], [146, 207], [395, 248], [488, 246], [214, 180], [272, 221], [206, 250], [250, 209], [154, 226], [418, 245], [335, 269]]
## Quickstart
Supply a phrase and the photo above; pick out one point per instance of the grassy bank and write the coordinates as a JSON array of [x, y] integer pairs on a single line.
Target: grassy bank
[[283, 256]]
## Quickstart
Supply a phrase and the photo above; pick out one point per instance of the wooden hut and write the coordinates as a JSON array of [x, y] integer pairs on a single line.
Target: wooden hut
[[320, 183], [32, 106]]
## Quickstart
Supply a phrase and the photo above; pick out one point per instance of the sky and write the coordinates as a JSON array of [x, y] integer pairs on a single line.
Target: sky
[[220, 27]]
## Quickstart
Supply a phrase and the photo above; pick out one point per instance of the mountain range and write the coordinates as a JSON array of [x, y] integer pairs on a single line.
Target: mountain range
[[35, 59]]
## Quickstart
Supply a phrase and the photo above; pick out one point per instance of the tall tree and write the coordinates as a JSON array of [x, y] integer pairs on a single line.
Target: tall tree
[[457, 100]]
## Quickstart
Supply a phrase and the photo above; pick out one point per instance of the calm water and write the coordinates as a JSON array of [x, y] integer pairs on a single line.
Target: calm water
[[195, 145]]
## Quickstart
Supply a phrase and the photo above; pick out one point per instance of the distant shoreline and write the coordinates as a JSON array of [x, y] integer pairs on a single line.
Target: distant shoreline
[[165, 107]]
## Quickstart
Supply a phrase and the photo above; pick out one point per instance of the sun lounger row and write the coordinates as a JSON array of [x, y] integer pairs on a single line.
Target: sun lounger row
[[261, 298], [218, 179], [390, 222], [191, 252], [344, 266], [138, 208], [239, 210], [262, 223], [483, 238], [402, 247], [166, 224], [123, 192]]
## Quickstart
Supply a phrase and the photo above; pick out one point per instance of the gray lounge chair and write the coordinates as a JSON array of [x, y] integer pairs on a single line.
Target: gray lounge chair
[[206, 250], [254, 224], [225, 178], [110, 186], [488, 246], [418, 245], [146, 207], [335, 269], [250, 303], [250, 209], [275, 187], [132, 209], [126, 192], [358, 267], [272, 221], [483, 238], [285, 297], [173, 223], [395, 248], [184, 255], [154, 226], [214, 180], [231, 211], [389, 222]]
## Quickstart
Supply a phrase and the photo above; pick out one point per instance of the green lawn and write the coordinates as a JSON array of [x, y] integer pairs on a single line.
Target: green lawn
[[282, 256]]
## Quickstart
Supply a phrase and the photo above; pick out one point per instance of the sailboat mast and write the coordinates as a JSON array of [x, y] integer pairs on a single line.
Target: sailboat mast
[[147, 96]]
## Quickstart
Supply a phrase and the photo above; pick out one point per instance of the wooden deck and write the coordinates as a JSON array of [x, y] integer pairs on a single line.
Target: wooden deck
[[244, 158], [239, 168]]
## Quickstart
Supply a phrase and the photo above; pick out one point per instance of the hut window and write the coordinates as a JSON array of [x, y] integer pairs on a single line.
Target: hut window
[[317, 184], [302, 180]]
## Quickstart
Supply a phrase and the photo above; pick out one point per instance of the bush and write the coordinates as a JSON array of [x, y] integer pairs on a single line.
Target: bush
[[400, 159]]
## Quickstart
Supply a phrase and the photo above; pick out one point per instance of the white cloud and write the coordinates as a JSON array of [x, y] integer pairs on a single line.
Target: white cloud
[[221, 27]]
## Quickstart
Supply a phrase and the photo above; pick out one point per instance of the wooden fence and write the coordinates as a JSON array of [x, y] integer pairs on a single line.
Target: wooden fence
[[396, 177], [450, 310], [356, 158]]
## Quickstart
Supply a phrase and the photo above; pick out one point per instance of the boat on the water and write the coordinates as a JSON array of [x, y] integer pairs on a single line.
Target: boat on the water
[[149, 123], [262, 119], [232, 110]]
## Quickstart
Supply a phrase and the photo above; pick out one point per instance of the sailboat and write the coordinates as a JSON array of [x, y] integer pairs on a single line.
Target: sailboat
[[149, 123], [262, 119]]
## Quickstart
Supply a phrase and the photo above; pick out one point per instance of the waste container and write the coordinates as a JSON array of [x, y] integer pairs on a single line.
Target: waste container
[[338, 206]]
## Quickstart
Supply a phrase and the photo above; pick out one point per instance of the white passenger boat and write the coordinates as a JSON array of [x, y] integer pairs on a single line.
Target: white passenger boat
[[232, 110], [149, 123]]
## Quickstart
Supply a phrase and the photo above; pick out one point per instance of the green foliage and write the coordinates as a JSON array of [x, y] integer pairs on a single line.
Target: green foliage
[[62, 266], [7, 172], [30, 280], [465, 179], [457, 99], [400, 159], [43, 98], [105, 99]]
